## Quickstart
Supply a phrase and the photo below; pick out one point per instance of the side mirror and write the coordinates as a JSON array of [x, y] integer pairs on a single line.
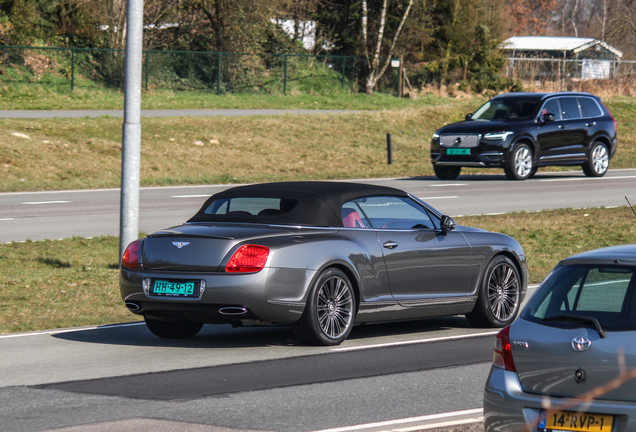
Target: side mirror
[[548, 117], [469, 116], [447, 224]]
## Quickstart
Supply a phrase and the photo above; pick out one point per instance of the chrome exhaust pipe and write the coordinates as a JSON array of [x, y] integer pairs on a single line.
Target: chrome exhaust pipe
[[133, 307], [233, 310]]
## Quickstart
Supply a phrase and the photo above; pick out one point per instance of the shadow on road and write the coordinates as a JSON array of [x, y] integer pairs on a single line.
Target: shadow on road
[[224, 336]]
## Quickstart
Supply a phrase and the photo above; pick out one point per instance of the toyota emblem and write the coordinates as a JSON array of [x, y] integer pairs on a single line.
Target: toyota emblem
[[581, 343]]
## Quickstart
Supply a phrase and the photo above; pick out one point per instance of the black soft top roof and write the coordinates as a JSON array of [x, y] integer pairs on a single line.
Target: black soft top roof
[[319, 203]]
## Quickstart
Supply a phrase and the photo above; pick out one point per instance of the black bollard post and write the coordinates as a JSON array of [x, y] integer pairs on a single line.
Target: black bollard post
[[389, 152]]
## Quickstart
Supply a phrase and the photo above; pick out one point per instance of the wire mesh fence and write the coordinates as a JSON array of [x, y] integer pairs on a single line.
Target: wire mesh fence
[[542, 74], [212, 72]]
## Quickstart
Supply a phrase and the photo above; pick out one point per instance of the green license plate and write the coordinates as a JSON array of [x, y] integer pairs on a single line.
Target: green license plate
[[174, 289], [457, 151]]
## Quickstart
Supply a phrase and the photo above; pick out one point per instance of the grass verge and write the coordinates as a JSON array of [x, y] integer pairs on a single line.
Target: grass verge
[[57, 154], [74, 282]]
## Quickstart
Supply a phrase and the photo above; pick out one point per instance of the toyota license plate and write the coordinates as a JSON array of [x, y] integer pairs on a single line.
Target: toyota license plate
[[571, 421], [457, 151], [174, 288]]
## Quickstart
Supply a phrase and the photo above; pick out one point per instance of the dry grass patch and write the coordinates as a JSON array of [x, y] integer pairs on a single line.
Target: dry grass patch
[[549, 236]]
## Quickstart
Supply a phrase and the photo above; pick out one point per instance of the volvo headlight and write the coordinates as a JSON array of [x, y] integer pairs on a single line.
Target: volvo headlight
[[435, 136], [497, 136]]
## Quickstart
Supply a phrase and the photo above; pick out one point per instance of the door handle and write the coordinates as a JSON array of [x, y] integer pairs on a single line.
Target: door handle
[[390, 244], [561, 126], [590, 124]]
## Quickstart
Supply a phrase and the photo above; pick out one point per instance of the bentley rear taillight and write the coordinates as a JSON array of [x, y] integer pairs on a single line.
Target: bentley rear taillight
[[248, 258], [503, 352], [130, 259]]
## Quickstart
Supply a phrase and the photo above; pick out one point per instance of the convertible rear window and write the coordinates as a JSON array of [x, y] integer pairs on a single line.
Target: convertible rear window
[[255, 206], [605, 293]]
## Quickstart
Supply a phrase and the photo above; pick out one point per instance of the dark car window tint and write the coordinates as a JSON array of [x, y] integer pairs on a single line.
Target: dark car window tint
[[387, 212], [552, 106], [353, 217], [589, 107], [605, 293], [570, 108], [251, 206], [507, 109]]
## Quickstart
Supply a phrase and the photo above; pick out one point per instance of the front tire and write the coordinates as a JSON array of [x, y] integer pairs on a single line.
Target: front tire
[[330, 310], [499, 294], [520, 163], [598, 163], [172, 328], [447, 172]]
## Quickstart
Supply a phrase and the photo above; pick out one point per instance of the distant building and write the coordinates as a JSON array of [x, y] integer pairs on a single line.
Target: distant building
[[595, 56]]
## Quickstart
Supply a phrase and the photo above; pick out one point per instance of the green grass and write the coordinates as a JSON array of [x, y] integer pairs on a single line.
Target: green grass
[[74, 282], [58, 154]]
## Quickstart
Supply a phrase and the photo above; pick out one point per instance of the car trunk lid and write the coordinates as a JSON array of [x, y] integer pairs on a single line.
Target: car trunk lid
[[199, 247], [560, 362]]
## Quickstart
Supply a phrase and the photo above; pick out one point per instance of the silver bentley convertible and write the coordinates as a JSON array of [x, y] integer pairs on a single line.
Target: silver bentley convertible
[[320, 257]]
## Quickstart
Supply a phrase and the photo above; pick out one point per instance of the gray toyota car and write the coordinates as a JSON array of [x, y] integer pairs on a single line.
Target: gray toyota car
[[566, 363], [521, 132]]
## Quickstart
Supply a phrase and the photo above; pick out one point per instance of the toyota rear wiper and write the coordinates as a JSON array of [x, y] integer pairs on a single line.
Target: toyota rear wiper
[[579, 318]]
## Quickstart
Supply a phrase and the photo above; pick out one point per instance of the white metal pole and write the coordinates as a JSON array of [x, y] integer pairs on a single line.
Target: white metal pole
[[131, 134]]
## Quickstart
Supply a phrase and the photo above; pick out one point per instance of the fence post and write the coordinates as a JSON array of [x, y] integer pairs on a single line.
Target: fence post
[[285, 77], [342, 80], [147, 68], [218, 73], [72, 69]]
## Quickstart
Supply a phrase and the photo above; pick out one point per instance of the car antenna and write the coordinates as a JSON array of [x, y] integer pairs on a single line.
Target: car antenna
[[630, 206]]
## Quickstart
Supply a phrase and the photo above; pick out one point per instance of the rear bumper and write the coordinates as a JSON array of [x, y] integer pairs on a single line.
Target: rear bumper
[[507, 408], [272, 295]]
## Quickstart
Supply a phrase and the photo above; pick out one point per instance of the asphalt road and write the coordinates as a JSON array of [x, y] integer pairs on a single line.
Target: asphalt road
[[89, 213], [387, 376]]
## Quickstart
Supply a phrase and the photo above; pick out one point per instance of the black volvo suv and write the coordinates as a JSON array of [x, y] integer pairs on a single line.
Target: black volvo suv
[[521, 132]]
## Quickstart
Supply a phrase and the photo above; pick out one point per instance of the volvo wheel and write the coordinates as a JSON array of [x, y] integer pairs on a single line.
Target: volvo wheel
[[597, 164], [520, 163]]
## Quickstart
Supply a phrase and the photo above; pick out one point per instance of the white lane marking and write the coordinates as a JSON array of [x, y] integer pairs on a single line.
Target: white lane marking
[[54, 332], [191, 196], [448, 184], [442, 197], [45, 202], [588, 178], [440, 425], [5, 219], [405, 420], [417, 341]]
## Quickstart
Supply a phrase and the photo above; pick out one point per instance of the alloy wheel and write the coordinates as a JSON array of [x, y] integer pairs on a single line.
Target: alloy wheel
[[600, 159], [503, 291], [523, 162], [335, 307]]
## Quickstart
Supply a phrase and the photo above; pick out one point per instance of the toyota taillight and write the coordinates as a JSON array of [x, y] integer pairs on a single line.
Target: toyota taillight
[[248, 258], [503, 354], [130, 259]]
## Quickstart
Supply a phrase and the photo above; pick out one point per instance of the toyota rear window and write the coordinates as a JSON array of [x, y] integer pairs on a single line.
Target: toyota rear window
[[605, 293]]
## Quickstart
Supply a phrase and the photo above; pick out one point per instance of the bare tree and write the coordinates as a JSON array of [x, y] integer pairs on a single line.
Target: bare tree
[[375, 70]]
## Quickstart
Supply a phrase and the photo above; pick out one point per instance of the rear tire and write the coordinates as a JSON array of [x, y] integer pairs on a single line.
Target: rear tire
[[447, 172], [169, 328], [598, 163], [330, 310], [499, 295], [520, 163]]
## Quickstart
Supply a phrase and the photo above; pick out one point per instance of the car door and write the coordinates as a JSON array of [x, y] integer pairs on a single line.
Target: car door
[[568, 142], [425, 266]]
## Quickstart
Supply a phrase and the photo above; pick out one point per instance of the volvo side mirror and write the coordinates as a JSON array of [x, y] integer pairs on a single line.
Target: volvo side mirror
[[447, 224], [548, 117], [469, 116]]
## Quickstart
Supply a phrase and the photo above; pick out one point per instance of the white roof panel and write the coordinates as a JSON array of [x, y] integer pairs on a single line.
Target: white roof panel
[[554, 43]]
